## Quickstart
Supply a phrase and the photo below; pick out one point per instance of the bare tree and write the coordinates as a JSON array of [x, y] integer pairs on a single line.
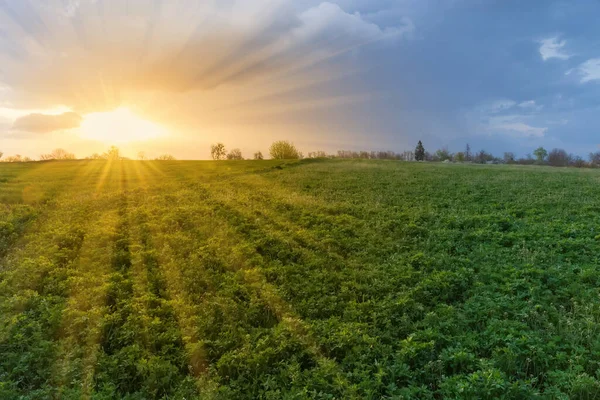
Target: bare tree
[[317, 154], [235, 154], [509, 158], [17, 158], [165, 157], [58, 154], [141, 156], [483, 157], [113, 154], [595, 159], [558, 158], [578, 162], [218, 152], [259, 156]]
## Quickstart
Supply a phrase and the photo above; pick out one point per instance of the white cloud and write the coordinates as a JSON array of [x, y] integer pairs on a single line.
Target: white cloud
[[527, 104], [588, 71], [508, 117], [520, 129], [497, 106], [530, 105], [553, 48]]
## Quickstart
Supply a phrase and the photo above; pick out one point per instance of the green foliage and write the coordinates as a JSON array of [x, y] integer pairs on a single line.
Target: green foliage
[[540, 154], [420, 152], [284, 150], [324, 279]]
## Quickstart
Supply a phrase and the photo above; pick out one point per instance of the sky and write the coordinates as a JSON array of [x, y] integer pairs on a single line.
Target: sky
[[175, 76]]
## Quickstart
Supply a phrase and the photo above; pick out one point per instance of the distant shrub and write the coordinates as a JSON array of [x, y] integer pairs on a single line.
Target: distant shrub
[[558, 158], [483, 157], [284, 150], [58, 154], [509, 158], [112, 154], [259, 156], [165, 157], [578, 162], [235, 154], [17, 158], [595, 159], [317, 154]]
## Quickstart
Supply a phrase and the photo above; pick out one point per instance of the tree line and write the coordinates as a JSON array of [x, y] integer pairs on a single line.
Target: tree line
[[555, 157], [285, 150], [113, 153], [279, 150]]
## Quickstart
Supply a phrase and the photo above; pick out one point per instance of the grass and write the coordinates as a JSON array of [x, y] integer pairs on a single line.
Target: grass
[[313, 279]]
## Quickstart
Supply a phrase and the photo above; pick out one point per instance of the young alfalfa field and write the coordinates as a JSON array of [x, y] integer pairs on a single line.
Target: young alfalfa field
[[329, 279]]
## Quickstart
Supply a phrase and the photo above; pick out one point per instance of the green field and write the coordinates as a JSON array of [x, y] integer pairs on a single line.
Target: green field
[[312, 279]]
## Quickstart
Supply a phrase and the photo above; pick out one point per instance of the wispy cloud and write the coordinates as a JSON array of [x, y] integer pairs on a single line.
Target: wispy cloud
[[520, 129], [498, 106], [552, 47], [507, 117], [530, 105], [588, 71], [182, 49]]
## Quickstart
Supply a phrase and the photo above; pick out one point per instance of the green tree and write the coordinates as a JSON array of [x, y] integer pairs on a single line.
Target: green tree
[[540, 154], [443, 154], [218, 152], [420, 152], [284, 150]]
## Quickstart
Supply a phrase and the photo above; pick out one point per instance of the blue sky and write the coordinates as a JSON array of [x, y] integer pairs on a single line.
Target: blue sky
[[348, 74]]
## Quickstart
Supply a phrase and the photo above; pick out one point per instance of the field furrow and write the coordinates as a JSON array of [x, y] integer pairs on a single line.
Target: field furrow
[[314, 279]]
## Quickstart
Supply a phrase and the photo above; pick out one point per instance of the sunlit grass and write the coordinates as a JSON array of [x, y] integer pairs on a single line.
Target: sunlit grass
[[256, 279]]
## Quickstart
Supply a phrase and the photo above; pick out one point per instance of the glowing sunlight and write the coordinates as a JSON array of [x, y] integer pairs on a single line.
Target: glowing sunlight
[[119, 126]]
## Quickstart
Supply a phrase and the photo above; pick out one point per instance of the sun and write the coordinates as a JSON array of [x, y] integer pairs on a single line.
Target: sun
[[119, 126]]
